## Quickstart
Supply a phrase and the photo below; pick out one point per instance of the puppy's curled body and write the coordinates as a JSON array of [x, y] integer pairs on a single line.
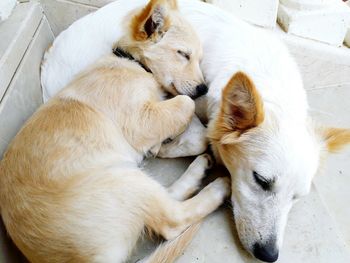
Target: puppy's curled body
[[71, 189]]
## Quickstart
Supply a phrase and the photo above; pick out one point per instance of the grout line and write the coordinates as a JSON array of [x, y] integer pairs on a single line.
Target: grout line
[[319, 112], [78, 3], [339, 85]]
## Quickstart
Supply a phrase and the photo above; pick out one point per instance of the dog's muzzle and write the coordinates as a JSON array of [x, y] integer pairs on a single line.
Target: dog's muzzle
[[267, 252]]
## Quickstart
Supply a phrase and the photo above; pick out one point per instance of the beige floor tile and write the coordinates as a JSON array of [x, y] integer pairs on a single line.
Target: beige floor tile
[[61, 14], [331, 106]]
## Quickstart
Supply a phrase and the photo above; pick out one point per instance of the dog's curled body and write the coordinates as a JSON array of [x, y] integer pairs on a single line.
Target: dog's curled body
[[71, 189]]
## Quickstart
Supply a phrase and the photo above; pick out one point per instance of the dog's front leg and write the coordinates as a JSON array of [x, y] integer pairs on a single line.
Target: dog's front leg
[[190, 181], [191, 142]]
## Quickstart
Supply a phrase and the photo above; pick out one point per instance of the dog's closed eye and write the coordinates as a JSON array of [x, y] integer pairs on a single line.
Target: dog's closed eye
[[184, 54], [264, 183]]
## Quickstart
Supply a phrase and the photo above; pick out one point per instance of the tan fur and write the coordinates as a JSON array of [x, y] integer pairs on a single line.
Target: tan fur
[[243, 103], [170, 250], [70, 186], [139, 20], [335, 138], [241, 110]]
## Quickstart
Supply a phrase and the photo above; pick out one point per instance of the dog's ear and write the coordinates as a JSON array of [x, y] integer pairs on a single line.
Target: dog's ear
[[241, 108], [334, 138], [153, 20]]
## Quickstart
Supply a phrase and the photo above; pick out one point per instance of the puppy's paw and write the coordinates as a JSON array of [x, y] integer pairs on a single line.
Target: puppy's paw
[[186, 104]]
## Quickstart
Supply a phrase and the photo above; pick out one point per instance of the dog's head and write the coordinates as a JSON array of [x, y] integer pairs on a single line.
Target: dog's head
[[271, 161], [160, 38]]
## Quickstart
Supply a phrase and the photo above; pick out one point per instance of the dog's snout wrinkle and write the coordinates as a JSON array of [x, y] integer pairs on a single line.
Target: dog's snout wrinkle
[[201, 90], [267, 252]]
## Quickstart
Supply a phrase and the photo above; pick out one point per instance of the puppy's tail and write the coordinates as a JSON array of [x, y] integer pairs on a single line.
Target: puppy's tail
[[170, 250]]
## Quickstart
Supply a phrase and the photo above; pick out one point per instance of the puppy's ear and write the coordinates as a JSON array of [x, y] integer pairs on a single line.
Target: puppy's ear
[[334, 138], [153, 20], [241, 108]]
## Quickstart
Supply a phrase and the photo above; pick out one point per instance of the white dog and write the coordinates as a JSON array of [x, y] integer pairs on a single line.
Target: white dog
[[256, 107]]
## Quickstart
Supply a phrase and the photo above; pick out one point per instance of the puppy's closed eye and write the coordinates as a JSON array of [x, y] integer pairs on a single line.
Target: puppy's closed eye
[[184, 54], [166, 141]]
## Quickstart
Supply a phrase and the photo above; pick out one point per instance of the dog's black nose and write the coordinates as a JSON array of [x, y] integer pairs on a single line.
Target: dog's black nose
[[266, 252], [201, 90]]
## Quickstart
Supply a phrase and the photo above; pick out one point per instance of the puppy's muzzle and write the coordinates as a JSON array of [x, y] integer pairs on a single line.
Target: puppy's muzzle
[[201, 90]]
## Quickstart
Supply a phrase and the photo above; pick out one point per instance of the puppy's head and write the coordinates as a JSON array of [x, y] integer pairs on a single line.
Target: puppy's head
[[271, 161], [160, 38]]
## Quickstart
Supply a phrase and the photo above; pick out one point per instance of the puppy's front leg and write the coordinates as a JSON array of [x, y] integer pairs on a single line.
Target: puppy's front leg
[[166, 119], [192, 142]]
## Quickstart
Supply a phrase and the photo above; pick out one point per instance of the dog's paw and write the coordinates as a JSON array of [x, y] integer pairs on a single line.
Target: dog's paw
[[199, 166], [153, 152], [209, 160], [221, 187]]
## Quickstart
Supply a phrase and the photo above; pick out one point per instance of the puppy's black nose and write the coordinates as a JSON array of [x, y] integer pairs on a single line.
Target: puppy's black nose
[[201, 89], [266, 252]]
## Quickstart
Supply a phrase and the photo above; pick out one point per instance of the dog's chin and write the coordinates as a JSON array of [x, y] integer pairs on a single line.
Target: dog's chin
[[244, 244]]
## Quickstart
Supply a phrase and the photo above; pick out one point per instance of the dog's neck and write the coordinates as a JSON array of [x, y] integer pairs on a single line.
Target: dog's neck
[[119, 52]]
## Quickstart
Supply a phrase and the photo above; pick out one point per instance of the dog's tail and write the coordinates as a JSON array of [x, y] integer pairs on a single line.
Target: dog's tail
[[170, 250]]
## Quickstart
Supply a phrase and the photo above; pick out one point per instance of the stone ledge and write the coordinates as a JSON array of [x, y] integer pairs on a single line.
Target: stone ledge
[[15, 34], [23, 95], [326, 23], [340, 55], [261, 12], [321, 65]]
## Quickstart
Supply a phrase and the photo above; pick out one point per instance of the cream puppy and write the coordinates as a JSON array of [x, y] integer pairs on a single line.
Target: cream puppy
[[71, 189]]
